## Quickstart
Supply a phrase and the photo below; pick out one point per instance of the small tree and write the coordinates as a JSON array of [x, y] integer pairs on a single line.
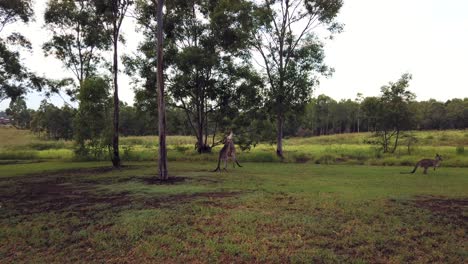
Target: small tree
[[394, 113], [92, 122], [410, 140]]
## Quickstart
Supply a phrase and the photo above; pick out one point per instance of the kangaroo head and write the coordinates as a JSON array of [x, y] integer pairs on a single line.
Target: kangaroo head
[[230, 136], [438, 157]]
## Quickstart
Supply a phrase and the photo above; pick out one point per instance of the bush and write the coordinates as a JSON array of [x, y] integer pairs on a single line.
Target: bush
[[325, 159], [46, 145], [301, 158], [182, 148], [460, 150], [263, 157]]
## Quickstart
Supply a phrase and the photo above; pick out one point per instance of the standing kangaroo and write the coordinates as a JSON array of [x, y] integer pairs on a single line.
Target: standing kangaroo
[[228, 151], [426, 163]]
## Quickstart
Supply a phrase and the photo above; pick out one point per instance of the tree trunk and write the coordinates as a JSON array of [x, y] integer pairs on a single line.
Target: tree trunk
[[162, 160], [115, 138], [385, 142], [396, 141], [200, 136], [279, 137], [358, 123]]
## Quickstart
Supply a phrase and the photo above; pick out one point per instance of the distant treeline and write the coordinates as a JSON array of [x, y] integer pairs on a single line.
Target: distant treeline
[[322, 116]]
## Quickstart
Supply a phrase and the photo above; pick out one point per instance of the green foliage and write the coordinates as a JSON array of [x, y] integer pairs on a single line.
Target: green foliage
[[210, 78], [92, 125], [14, 10], [78, 36], [460, 150], [15, 78], [393, 113], [19, 113], [332, 149], [53, 122], [293, 59]]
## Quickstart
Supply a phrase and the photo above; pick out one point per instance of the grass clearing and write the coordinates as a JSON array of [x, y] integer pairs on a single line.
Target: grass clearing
[[263, 212], [345, 149]]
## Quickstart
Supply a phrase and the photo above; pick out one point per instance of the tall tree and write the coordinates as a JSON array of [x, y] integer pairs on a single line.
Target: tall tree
[[204, 40], [370, 107], [358, 100], [113, 13], [292, 53], [78, 36], [162, 164]]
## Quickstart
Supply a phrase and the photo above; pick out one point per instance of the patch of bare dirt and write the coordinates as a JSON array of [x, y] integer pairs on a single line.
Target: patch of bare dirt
[[81, 171], [56, 196], [50, 193], [158, 181], [213, 198], [455, 210]]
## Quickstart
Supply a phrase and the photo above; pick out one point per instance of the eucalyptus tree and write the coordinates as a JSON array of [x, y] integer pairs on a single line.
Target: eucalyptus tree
[[292, 53], [15, 78], [394, 112], [78, 36], [206, 61], [113, 12], [19, 113], [162, 158]]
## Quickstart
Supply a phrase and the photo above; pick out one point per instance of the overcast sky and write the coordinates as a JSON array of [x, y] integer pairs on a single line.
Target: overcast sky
[[382, 39]]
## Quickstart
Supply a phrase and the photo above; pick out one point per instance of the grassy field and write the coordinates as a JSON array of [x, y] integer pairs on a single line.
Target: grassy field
[[348, 149], [62, 212]]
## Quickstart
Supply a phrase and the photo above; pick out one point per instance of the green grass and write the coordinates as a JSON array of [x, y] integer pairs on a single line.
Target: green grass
[[264, 212], [346, 149]]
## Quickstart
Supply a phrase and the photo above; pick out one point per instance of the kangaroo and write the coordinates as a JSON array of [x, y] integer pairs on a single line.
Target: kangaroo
[[228, 151], [426, 163]]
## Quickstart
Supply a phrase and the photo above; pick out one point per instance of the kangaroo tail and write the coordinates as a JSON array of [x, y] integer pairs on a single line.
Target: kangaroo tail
[[238, 163], [415, 167]]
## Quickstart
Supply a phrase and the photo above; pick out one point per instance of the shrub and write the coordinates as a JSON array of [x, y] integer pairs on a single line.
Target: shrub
[[46, 145], [325, 159], [460, 150], [182, 148], [301, 158]]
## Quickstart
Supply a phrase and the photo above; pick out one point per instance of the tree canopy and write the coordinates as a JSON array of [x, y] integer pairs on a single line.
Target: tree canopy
[[292, 53]]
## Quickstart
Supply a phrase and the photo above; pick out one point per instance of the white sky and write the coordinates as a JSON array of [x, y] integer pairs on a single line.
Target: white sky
[[382, 39]]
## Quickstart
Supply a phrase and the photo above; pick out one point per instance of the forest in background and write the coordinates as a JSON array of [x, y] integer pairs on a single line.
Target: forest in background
[[322, 116]]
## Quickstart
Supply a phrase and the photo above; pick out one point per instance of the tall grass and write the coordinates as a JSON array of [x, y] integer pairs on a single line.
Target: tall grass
[[333, 149]]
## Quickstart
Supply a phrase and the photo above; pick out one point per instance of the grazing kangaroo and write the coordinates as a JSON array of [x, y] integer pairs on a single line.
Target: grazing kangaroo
[[228, 151], [426, 163]]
